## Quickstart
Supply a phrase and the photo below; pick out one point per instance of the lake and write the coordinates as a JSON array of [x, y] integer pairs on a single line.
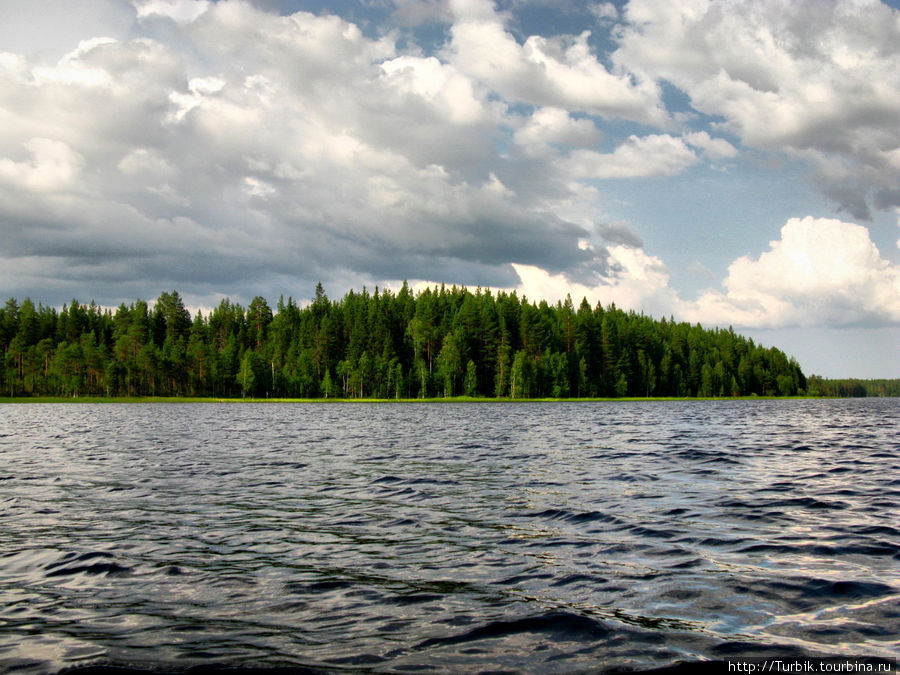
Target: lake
[[526, 537]]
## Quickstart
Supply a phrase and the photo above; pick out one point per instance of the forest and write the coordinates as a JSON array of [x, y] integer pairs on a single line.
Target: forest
[[440, 342], [851, 388]]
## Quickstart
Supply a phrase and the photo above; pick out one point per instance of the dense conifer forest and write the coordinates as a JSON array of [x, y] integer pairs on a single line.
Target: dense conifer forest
[[851, 388], [437, 343]]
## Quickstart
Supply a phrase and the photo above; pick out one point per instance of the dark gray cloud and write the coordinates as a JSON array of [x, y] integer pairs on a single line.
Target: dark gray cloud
[[619, 233]]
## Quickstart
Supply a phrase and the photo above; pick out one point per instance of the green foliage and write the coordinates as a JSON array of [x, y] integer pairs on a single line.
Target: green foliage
[[471, 384], [442, 342], [851, 388]]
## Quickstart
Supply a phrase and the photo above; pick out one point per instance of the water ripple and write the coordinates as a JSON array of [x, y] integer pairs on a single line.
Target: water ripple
[[495, 537]]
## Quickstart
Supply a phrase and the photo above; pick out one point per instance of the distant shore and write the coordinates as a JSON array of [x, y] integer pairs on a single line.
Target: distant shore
[[453, 399]]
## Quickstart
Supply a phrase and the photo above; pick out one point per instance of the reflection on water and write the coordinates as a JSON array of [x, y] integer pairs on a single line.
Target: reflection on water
[[535, 537]]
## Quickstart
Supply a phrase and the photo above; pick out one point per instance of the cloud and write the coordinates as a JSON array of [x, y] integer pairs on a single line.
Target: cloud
[[450, 94], [559, 72], [180, 11], [714, 148], [148, 163], [547, 127], [52, 165], [634, 280], [418, 12], [604, 11], [619, 233], [698, 269], [636, 157], [818, 81], [270, 150], [820, 272], [49, 28]]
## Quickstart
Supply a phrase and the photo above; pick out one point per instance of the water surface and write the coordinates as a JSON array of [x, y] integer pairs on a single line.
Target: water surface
[[552, 537]]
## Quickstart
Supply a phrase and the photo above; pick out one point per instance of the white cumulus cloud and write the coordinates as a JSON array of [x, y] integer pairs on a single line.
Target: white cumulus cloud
[[634, 280], [559, 72], [549, 126], [714, 148], [180, 11], [637, 156], [820, 272], [820, 81], [51, 165]]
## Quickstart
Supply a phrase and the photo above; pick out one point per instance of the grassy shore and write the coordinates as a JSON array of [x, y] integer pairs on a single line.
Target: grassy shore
[[453, 399]]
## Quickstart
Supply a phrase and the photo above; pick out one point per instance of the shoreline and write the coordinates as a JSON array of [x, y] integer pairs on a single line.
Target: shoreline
[[452, 399]]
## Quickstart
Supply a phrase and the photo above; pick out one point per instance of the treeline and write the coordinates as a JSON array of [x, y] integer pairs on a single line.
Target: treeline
[[852, 388], [440, 342]]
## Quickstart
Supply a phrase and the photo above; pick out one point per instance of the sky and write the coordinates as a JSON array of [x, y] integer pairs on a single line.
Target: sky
[[733, 163]]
